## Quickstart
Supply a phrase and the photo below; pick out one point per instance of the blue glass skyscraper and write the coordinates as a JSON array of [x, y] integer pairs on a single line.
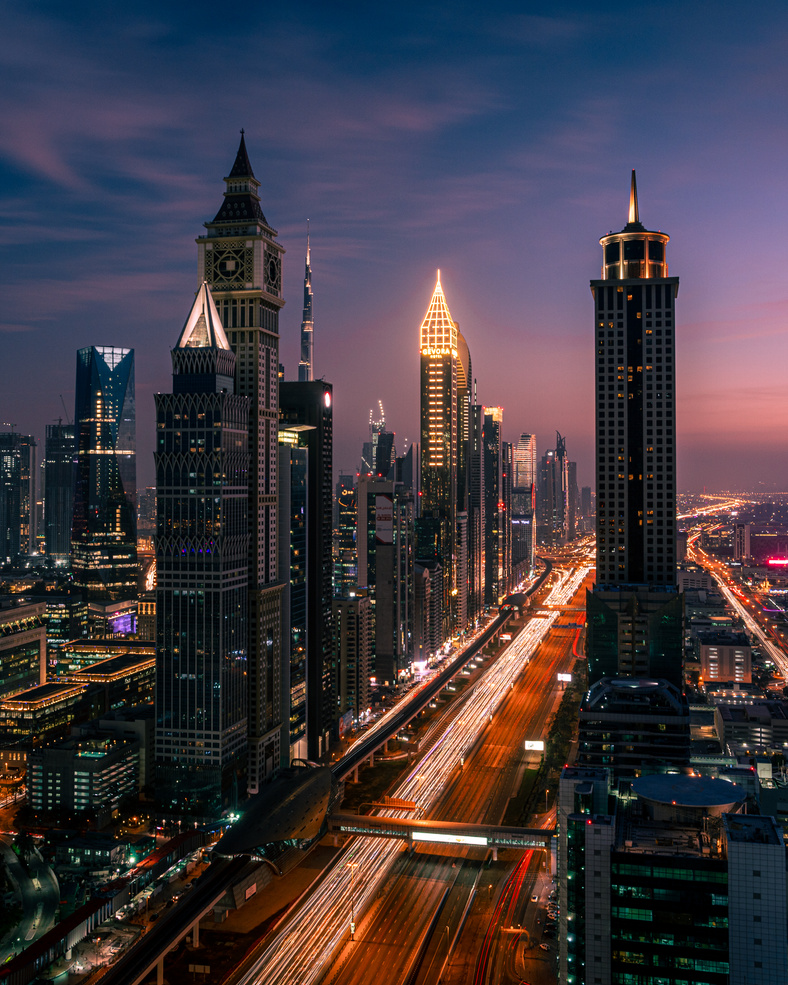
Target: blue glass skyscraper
[[104, 529]]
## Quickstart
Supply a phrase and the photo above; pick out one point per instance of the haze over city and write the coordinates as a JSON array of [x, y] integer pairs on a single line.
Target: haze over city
[[496, 148]]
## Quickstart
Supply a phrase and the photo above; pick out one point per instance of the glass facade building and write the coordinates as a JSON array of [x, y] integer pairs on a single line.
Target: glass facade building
[[202, 543], [104, 528], [58, 490]]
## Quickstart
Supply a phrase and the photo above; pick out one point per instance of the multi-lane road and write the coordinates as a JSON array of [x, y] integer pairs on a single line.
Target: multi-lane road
[[393, 897]]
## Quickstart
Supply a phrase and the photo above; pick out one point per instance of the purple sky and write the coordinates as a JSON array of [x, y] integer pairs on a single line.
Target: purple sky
[[491, 143]]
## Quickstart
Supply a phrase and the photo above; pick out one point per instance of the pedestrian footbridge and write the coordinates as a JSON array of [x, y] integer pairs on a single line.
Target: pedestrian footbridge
[[412, 830]]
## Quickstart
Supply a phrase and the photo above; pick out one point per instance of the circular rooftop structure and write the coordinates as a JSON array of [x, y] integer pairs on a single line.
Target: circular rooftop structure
[[695, 793]]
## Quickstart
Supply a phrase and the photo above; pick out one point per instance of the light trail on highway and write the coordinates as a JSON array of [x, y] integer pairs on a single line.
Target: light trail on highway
[[298, 955], [566, 588]]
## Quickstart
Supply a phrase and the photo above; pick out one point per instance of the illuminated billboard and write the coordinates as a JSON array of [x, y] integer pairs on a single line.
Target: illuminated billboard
[[534, 745], [450, 839]]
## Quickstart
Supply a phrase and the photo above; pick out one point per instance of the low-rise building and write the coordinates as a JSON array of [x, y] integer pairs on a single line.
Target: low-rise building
[[724, 657], [84, 774]]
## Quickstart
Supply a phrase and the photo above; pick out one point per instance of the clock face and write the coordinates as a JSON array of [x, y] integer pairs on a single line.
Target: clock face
[[273, 273], [231, 265]]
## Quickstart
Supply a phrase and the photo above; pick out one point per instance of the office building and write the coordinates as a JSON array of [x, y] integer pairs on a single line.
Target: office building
[[494, 513], [633, 726], [385, 570], [23, 645], [345, 558], [104, 525], [308, 408], [724, 657], [445, 404], [353, 653], [294, 549], [17, 495], [635, 615], [84, 774], [553, 495], [202, 541], [524, 501], [675, 885], [476, 515], [240, 259], [59, 490]]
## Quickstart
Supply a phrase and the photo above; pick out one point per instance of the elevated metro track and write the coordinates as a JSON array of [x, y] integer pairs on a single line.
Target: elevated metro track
[[223, 873], [403, 713]]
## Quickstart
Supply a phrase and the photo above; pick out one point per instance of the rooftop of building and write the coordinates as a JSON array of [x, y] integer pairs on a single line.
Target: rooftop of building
[[113, 668], [43, 695], [680, 790], [12, 608], [721, 637], [753, 828], [758, 710]]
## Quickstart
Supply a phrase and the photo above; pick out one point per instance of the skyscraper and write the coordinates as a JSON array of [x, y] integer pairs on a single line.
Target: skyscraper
[[202, 545], [634, 613], [241, 261], [104, 527], [307, 407], [554, 494], [523, 501], [17, 494], [445, 391], [494, 536], [305, 365], [59, 489], [293, 555]]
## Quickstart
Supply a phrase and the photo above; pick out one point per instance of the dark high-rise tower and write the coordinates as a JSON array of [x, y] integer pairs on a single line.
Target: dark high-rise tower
[[307, 408], [17, 494], [634, 613], [241, 260], [202, 545], [305, 365], [59, 486], [104, 528]]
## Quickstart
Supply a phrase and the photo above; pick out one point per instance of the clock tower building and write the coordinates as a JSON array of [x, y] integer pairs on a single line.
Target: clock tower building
[[241, 261]]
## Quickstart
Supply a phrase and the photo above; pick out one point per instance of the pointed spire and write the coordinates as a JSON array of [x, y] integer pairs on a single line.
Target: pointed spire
[[308, 259], [634, 216], [438, 330], [242, 168], [203, 328]]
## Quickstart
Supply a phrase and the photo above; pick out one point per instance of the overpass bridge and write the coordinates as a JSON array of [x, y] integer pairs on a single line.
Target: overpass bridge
[[412, 830]]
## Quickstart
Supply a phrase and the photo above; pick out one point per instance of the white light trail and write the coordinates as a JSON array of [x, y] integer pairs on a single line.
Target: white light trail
[[298, 955]]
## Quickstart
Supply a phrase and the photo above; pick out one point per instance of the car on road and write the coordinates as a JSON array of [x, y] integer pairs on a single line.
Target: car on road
[[535, 898], [545, 947]]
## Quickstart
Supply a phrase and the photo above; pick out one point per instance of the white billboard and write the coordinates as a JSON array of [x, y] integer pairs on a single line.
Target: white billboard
[[450, 839], [534, 745], [566, 678]]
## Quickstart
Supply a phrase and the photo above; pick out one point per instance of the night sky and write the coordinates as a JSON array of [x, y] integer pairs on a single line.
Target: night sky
[[493, 141]]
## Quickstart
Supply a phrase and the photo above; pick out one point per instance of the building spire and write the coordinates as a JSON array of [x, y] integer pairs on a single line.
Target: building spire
[[242, 167], [438, 330], [634, 215], [305, 367]]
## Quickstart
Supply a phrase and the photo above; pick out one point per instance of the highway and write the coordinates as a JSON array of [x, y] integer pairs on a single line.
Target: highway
[[302, 952], [719, 573], [404, 711]]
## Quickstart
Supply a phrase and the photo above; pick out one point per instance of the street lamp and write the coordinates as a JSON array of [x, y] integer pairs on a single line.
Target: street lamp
[[545, 800], [352, 866]]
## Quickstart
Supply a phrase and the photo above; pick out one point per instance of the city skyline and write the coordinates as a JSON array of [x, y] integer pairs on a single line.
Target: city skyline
[[498, 151]]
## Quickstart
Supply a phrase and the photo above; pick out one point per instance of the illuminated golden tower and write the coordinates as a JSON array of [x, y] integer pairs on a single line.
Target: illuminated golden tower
[[445, 389]]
